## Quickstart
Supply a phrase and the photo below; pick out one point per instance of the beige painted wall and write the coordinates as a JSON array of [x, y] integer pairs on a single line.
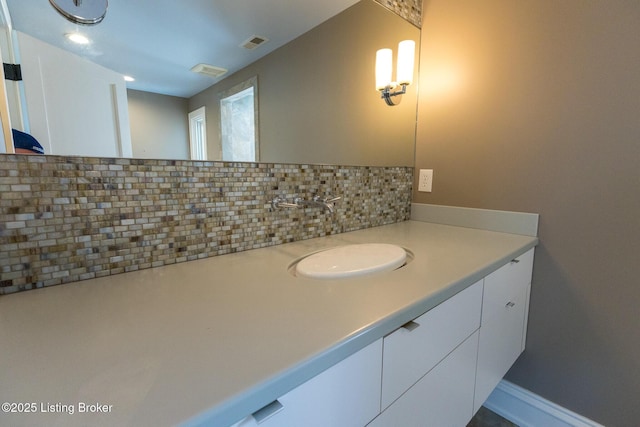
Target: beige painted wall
[[159, 125], [535, 106], [317, 97]]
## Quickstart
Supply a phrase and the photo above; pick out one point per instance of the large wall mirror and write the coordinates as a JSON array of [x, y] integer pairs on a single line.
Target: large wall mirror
[[315, 98]]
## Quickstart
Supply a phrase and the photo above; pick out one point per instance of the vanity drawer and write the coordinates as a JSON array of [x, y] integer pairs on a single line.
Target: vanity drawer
[[414, 349], [504, 323], [505, 285], [443, 397], [347, 394]]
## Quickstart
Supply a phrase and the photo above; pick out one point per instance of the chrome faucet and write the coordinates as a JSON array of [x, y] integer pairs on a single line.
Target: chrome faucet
[[326, 203]]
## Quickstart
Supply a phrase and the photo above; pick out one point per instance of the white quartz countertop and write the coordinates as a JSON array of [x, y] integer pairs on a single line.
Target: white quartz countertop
[[209, 341]]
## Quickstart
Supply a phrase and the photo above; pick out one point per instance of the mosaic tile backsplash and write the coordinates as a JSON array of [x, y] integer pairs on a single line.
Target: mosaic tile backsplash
[[65, 219], [411, 10]]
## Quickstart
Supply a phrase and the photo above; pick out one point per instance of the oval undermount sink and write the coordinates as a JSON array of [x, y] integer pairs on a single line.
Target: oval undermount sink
[[351, 261]]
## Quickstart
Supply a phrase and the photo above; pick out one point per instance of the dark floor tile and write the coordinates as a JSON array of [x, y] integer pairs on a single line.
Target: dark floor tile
[[487, 418]]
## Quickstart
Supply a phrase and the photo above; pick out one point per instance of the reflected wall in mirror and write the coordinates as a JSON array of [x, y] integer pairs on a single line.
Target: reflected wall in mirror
[[159, 127], [317, 103]]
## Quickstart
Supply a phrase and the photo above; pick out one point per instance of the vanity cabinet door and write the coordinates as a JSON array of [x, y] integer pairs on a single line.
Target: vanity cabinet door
[[504, 323], [347, 394], [442, 398], [414, 349]]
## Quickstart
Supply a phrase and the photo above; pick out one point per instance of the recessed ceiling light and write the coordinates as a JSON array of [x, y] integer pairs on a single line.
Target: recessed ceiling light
[[77, 38], [129, 79]]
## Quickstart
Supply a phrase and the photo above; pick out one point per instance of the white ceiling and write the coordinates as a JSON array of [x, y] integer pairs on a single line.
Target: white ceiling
[[158, 41]]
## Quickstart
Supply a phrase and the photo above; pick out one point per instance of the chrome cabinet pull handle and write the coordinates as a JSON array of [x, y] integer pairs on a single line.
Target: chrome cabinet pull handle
[[515, 261], [267, 411], [510, 304], [410, 326]]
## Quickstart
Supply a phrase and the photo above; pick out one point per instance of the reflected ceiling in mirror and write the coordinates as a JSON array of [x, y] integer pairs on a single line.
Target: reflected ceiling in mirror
[[158, 41]]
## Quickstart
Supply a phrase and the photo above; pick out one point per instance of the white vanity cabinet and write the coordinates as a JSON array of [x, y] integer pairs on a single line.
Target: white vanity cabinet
[[347, 394], [436, 370], [504, 323], [429, 365], [442, 398], [414, 349]]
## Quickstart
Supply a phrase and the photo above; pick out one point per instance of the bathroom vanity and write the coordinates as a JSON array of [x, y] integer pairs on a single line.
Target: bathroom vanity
[[237, 339], [435, 370]]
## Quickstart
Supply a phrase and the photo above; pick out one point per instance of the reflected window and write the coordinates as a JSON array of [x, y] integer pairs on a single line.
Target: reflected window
[[198, 134], [238, 122]]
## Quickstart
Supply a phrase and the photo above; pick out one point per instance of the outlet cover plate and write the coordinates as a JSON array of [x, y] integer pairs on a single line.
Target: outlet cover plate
[[425, 182]]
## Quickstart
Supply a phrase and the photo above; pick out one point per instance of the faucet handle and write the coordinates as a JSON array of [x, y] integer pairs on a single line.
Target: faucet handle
[[326, 199], [281, 202]]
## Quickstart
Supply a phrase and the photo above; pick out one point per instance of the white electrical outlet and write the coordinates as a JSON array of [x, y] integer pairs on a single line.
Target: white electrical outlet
[[426, 180]]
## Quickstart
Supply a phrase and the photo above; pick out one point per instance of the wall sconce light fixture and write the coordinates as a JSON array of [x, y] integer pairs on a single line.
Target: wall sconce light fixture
[[391, 93]]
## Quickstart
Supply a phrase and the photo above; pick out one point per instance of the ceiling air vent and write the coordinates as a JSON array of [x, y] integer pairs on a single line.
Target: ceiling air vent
[[209, 70], [253, 42]]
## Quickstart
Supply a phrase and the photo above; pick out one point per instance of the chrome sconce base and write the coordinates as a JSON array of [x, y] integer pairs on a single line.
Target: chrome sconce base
[[393, 98]]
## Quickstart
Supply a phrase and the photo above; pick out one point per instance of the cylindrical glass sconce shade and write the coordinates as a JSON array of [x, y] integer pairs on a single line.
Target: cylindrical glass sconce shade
[[406, 57], [383, 68]]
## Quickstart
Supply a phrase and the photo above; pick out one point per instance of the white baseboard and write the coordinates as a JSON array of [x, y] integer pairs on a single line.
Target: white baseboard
[[522, 407]]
